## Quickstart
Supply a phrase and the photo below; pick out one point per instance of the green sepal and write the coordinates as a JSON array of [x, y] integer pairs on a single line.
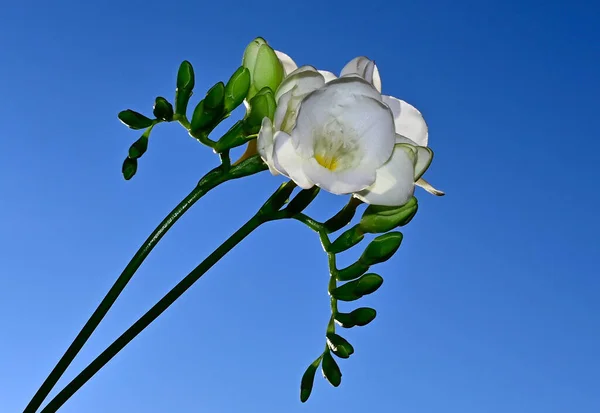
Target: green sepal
[[237, 88], [381, 248], [162, 109], [302, 200], [379, 219], [185, 86], [347, 240], [339, 346], [331, 370], [139, 147], [352, 271], [367, 284], [129, 168], [308, 379], [134, 120]]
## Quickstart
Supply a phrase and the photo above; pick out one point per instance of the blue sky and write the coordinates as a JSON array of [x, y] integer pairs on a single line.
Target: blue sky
[[491, 304]]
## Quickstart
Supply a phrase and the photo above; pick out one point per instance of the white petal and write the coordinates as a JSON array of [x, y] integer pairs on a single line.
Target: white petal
[[427, 186], [288, 63], [304, 80], [408, 120], [365, 68], [424, 158], [394, 184], [264, 144], [339, 183], [328, 76], [404, 139], [338, 115], [287, 161]]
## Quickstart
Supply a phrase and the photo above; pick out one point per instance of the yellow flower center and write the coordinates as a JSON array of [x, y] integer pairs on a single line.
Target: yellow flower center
[[327, 161]]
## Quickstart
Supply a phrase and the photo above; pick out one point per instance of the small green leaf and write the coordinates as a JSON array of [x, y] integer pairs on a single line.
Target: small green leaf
[[347, 240], [134, 120], [344, 320], [237, 88], [185, 86], [139, 147], [379, 219], [308, 379], [363, 316], [381, 248], [352, 271], [163, 110], [129, 168], [215, 97], [331, 370], [302, 200], [339, 346], [368, 284]]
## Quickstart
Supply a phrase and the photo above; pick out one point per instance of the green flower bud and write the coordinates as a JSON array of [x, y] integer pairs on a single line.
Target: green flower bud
[[365, 285], [129, 168], [185, 86], [237, 88], [134, 120], [308, 379], [215, 97], [357, 318], [139, 147], [379, 219], [352, 271], [262, 105], [347, 240], [163, 110], [265, 67], [339, 346], [381, 248], [331, 370]]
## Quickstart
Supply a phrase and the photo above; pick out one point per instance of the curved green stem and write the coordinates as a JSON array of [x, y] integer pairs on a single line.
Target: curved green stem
[[210, 180], [164, 303]]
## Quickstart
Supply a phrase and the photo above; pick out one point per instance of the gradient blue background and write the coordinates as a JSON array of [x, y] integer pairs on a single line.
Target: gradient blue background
[[490, 306]]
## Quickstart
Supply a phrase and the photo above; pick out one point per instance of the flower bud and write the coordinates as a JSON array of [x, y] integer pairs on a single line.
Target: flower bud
[[237, 88], [265, 67], [261, 106]]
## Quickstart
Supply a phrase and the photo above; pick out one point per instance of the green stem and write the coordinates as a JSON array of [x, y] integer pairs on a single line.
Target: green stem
[[323, 230], [152, 314], [210, 180]]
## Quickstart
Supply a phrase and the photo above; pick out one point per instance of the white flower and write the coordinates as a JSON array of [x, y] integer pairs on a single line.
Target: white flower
[[344, 136]]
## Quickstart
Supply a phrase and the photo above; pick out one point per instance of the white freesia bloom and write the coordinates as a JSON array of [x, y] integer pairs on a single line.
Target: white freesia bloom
[[342, 135]]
